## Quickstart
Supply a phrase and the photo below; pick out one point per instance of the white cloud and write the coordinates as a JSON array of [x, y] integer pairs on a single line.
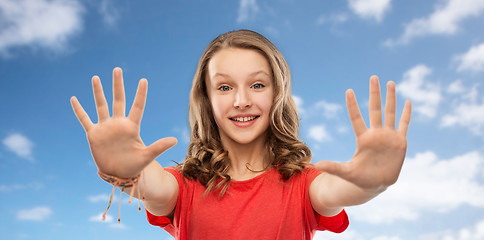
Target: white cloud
[[14, 187], [349, 234], [342, 129], [472, 60], [117, 225], [424, 185], [466, 111], [299, 104], [475, 232], [385, 238], [425, 96], [456, 87], [472, 94], [44, 23], [319, 133], [6, 188], [466, 114], [334, 18], [20, 145], [370, 9], [272, 31], [109, 12], [247, 9], [23, 236], [346, 235], [109, 220], [445, 20], [330, 110], [99, 218], [34, 214], [182, 133], [186, 135], [321, 20], [99, 198], [104, 198]]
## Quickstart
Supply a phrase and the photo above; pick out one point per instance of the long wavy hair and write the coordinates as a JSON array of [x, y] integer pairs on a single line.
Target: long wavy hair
[[207, 161]]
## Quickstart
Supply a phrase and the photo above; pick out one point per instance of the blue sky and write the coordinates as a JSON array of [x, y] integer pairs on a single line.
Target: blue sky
[[50, 49]]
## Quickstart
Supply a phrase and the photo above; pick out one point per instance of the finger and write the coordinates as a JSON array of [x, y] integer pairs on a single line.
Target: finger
[[119, 102], [101, 104], [81, 114], [354, 112], [405, 118], [160, 146], [136, 112], [390, 105], [375, 102], [333, 168]]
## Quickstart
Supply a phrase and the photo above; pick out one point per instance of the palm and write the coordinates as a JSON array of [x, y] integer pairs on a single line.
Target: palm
[[380, 149], [117, 139], [115, 143]]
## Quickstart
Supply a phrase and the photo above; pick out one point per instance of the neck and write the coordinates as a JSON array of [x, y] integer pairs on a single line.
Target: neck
[[247, 160]]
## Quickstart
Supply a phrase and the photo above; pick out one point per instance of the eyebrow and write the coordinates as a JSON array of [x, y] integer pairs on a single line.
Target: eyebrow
[[259, 72], [250, 75]]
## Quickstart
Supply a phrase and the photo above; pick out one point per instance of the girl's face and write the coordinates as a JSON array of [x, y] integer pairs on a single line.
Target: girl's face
[[239, 86]]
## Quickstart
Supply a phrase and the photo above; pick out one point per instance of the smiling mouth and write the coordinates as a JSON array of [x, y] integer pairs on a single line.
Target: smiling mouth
[[243, 119]]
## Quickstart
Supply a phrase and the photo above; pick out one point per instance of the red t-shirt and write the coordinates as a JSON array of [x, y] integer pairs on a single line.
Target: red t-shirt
[[264, 207]]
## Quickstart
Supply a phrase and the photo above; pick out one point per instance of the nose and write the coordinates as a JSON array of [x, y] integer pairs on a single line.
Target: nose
[[242, 99]]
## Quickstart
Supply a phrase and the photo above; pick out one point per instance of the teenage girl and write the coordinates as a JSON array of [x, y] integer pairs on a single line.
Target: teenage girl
[[246, 174]]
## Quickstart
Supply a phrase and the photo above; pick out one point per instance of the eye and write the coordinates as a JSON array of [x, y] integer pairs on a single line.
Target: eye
[[258, 86], [224, 88]]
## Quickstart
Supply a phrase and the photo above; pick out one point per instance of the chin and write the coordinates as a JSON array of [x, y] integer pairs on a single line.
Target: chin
[[243, 140]]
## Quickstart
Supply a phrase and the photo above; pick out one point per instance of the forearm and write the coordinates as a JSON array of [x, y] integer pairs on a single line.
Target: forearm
[[329, 194], [157, 188]]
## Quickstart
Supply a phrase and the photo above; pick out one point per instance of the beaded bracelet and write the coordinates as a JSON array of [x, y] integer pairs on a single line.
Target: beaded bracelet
[[122, 183]]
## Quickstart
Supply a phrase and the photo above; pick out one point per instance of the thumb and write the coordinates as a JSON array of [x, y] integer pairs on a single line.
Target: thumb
[[160, 146], [333, 168]]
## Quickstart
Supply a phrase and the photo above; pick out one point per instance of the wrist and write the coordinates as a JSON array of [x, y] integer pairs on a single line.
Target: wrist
[[119, 182], [122, 183]]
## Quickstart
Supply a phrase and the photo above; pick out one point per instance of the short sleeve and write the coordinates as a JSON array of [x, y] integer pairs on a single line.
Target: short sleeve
[[336, 224], [160, 221]]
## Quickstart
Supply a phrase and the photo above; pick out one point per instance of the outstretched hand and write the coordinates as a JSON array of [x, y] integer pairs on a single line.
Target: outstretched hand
[[115, 142], [380, 149]]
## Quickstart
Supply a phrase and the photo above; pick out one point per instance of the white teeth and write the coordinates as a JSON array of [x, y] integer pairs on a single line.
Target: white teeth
[[244, 119]]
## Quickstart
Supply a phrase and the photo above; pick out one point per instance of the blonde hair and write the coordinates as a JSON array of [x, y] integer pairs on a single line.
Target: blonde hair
[[206, 159]]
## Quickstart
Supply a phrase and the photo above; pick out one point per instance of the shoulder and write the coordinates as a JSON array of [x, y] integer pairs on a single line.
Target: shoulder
[[175, 172], [181, 180], [308, 174], [311, 172]]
